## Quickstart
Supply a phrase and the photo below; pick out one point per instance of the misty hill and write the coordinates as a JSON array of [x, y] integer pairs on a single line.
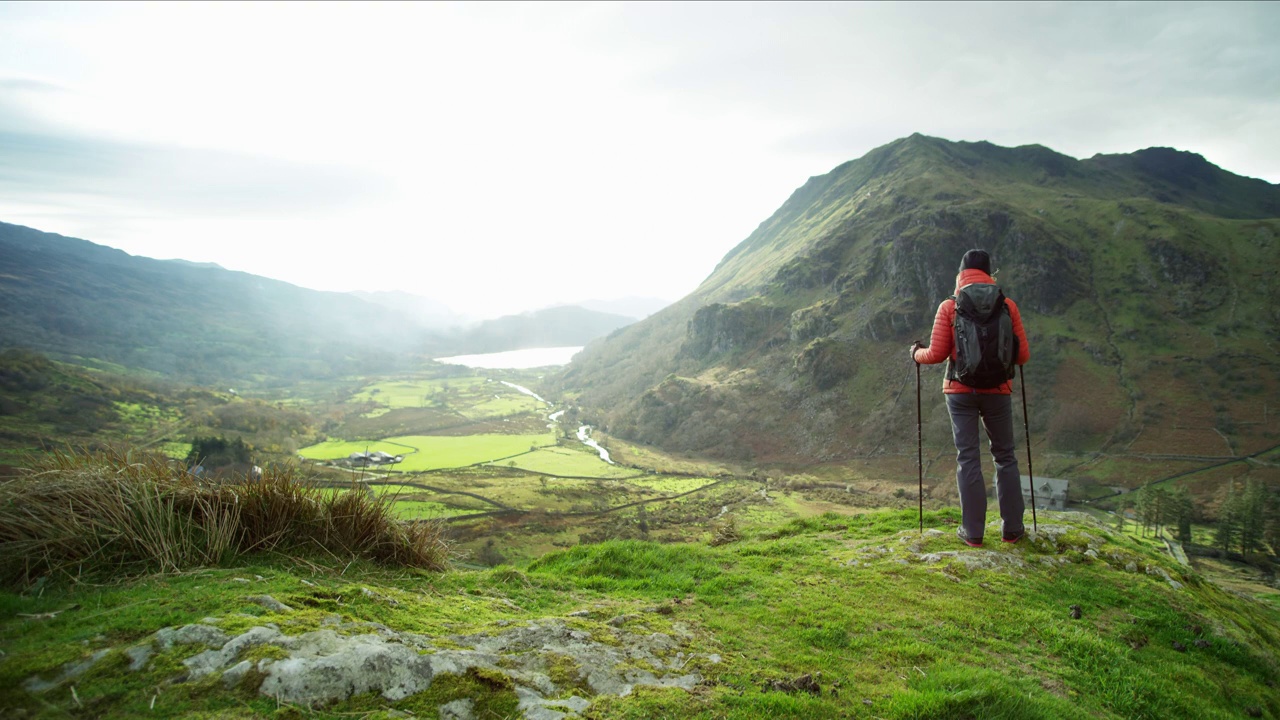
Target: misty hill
[[77, 300], [553, 327], [632, 307], [423, 310], [1148, 284], [197, 322]]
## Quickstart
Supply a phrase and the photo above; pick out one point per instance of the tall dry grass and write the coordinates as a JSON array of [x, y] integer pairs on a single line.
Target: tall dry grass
[[113, 512]]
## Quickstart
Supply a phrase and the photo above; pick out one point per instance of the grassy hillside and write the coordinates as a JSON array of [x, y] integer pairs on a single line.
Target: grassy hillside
[[48, 405], [1148, 284], [835, 616], [75, 300]]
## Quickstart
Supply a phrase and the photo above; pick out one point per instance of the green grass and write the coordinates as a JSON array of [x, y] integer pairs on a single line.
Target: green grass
[[415, 393], [848, 596], [571, 462], [433, 452], [429, 510], [513, 404], [671, 485], [473, 397], [411, 503], [139, 418], [933, 638], [341, 449], [436, 452]]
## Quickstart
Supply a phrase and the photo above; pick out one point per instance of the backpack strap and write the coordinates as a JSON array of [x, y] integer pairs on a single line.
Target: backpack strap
[[950, 372]]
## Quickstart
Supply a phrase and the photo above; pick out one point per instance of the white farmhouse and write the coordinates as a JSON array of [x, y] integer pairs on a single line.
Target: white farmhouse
[[1051, 493]]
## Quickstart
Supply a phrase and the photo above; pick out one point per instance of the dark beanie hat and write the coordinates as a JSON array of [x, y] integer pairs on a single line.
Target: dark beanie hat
[[976, 260]]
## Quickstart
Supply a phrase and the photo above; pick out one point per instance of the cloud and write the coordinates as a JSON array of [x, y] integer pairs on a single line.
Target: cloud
[[165, 179], [570, 148], [17, 84], [1079, 77]]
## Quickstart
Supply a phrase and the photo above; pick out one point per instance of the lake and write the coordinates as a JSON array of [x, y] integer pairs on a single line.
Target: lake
[[515, 359]]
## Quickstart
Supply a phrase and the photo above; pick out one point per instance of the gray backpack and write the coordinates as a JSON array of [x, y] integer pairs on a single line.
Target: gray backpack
[[986, 346]]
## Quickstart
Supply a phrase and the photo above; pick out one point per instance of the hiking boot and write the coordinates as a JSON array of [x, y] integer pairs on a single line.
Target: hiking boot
[[1013, 537], [970, 541]]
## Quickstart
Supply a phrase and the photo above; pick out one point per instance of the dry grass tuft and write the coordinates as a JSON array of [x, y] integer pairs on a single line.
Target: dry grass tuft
[[725, 532], [115, 512]]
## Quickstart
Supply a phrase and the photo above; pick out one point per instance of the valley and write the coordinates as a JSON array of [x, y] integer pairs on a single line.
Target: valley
[[508, 472], [514, 476], [736, 473]]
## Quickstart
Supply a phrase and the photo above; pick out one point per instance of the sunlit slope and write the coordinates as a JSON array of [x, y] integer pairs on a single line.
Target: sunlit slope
[[1148, 283]]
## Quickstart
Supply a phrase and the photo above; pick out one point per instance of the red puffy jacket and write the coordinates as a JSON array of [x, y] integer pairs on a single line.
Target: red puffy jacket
[[942, 342]]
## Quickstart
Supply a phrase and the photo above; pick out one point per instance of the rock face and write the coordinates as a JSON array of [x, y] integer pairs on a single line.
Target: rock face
[[346, 659], [720, 329]]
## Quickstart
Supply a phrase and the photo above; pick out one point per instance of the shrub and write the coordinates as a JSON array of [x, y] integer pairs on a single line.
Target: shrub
[[81, 512], [725, 532]]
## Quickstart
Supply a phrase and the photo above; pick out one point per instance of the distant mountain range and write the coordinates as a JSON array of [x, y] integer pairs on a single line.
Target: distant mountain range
[[200, 323], [1148, 282], [552, 327], [437, 315], [426, 312], [634, 307]]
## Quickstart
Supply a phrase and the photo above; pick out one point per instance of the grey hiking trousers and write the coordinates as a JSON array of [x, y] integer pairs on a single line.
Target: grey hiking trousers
[[996, 414]]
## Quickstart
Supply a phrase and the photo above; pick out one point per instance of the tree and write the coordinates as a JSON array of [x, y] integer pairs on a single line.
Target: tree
[[1142, 510], [1252, 513], [1124, 507], [1159, 507], [1271, 522], [1228, 530], [1153, 508], [1182, 508], [215, 452]]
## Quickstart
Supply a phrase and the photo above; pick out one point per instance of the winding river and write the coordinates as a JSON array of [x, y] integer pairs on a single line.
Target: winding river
[[584, 432], [585, 436]]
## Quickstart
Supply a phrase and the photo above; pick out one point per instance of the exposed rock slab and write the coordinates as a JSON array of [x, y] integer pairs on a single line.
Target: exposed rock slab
[[348, 658]]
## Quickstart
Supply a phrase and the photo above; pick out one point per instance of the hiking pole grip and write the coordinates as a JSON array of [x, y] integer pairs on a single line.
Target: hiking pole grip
[[919, 451], [1031, 476]]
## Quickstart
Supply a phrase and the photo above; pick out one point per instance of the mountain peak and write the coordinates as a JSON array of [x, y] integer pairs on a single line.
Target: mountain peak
[[1181, 177], [819, 300]]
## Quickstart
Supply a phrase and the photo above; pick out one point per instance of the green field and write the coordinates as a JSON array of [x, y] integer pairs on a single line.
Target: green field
[[417, 393], [429, 510], [570, 462], [434, 452], [509, 404], [671, 485], [341, 449]]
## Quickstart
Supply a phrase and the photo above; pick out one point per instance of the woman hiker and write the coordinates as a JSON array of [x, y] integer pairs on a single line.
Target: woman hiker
[[991, 403]]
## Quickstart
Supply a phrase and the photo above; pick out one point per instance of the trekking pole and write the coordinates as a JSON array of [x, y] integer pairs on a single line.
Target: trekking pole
[[919, 450], [1031, 477]]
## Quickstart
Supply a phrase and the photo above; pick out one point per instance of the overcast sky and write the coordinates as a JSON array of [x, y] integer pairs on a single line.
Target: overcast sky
[[505, 157]]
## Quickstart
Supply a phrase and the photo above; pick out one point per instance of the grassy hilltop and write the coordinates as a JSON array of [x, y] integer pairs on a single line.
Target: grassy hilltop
[[835, 616]]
